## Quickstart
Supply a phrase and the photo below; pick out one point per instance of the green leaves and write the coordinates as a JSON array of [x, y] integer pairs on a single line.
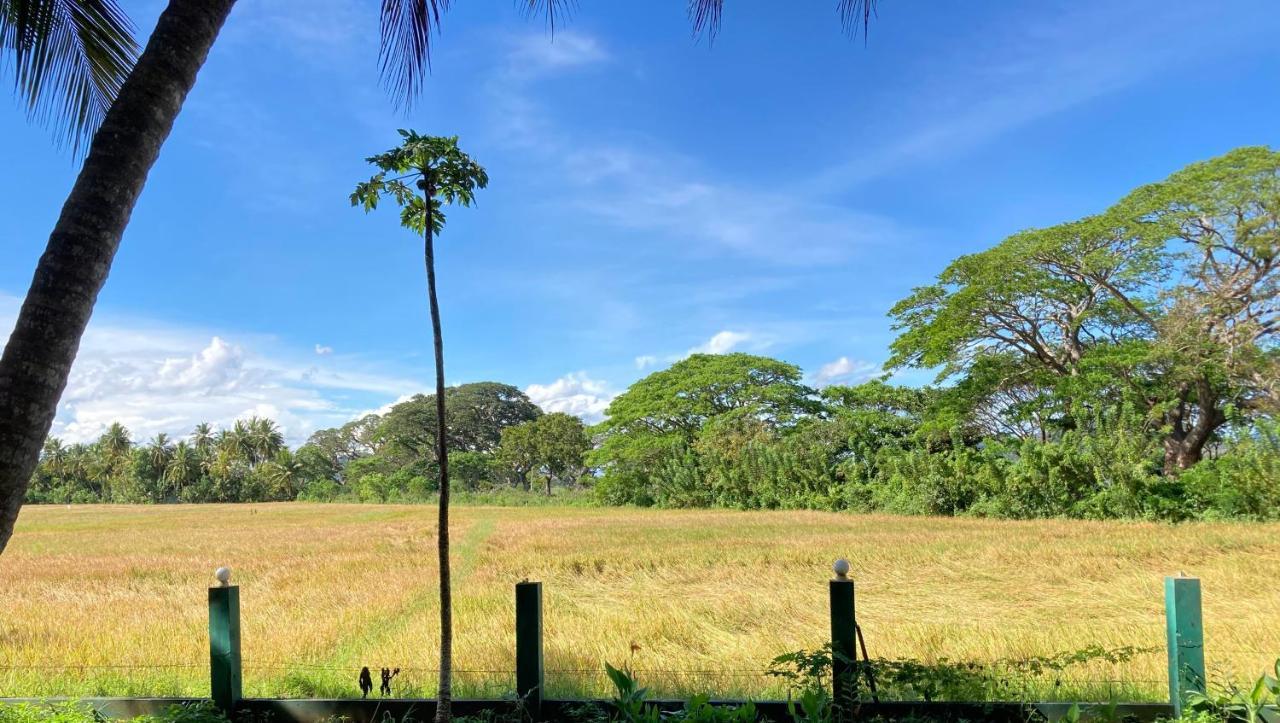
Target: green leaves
[[70, 59], [422, 170]]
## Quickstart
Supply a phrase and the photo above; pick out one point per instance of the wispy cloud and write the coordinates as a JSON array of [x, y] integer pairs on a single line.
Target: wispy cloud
[[1045, 59], [532, 56], [648, 188]]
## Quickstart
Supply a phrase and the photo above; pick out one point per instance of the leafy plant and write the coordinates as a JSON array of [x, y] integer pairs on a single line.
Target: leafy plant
[[629, 699], [1256, 703]]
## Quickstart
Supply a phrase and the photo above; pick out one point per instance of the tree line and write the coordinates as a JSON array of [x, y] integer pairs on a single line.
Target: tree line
[[1121, 365]]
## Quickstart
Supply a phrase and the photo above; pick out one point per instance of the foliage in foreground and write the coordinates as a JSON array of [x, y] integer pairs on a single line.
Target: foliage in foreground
[[74, 712], [808, 674]]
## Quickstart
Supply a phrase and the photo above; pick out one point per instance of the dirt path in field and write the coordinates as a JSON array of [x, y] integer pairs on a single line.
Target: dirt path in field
[[369, 645]]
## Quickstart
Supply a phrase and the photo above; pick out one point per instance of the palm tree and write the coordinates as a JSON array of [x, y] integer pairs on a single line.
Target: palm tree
[[202, 437], [159, 451], [264, 439], [237, 442], [181, 466], [444, 175], [115, 443], [282, 473], [74, 266], [70, 58], [54, 456]]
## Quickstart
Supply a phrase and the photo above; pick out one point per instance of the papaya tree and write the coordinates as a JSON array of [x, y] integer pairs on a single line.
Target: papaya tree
[[421, 175]]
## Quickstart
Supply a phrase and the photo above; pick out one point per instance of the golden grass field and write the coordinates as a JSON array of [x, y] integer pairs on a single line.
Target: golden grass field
[[110, 600]]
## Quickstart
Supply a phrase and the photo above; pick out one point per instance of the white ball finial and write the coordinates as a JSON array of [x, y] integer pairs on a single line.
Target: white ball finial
[[224, 575], [841, 568]]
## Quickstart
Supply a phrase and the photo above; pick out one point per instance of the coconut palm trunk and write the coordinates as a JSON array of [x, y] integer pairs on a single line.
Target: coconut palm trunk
[[74, 266], [444, 698]]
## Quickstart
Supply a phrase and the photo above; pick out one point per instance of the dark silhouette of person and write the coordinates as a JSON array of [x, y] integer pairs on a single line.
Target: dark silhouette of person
[[387, 675], [366, 682]]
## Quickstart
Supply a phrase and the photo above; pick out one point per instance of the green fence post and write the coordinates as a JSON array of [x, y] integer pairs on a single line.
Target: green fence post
[[843, 635], [224, 642], [1185, 630], [529, 683]]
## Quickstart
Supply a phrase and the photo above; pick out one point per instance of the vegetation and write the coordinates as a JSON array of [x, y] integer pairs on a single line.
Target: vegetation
[[72, 712], [72, 55], [1120, 366], [70, 58], [95, 598]]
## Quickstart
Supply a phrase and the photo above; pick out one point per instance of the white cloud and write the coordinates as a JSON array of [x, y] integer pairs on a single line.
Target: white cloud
[[644, 188], [644, 361], [159, 378], [322, 350], [575, 393], [657, 192], [534, 55], [844, 371], [722, 343]]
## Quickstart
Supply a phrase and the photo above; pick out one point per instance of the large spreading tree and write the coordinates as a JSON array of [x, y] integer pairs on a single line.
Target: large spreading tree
[[1168, 301]]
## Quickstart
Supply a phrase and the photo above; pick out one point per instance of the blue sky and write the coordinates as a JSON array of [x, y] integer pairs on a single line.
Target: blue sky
[[774, 193]]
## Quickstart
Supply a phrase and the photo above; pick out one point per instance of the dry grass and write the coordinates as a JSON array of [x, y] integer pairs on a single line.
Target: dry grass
[[328, 588]]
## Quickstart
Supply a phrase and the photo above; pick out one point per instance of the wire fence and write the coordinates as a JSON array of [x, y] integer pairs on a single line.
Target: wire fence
[[1133, 679]]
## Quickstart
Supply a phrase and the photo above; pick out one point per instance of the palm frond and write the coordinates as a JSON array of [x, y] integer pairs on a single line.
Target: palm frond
[[404, 58], [405, 55], [706, 14], [855, 14], [553, 10], [69, 60]]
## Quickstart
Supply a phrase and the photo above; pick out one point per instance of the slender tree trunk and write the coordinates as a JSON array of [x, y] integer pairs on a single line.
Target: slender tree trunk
[[74, 267], [444, 699], [548, 485]]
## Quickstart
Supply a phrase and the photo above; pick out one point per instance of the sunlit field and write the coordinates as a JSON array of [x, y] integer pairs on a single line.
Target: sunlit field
[[104, 600]]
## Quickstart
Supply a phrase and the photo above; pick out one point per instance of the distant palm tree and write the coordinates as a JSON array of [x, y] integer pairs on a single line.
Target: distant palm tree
[[282, 473], [264, 439], [181, 468], [159, 451], [115, 443], [54, 456], [202, 437]]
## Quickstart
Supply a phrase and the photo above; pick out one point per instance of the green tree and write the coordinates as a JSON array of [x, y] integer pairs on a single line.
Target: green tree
[[662, 414], [182, 468], [263, 439], [555, 444], [436, 167], [1168, 301], [340, 445], [518, 451], [202, 437], [562, 444], [476, 415]]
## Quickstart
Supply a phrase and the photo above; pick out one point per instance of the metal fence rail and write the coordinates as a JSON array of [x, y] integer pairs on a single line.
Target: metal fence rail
[[311, 683]]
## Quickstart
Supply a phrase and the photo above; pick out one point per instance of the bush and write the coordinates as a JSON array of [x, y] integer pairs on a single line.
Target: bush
[[1243, 482]]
